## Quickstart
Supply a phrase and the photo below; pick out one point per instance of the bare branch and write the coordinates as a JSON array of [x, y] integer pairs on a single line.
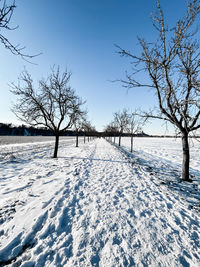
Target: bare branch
[[6, 12]]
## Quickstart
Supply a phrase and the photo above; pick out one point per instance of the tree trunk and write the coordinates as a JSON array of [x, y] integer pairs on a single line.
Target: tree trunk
[[186, 157], [56, 145], [76, 140], [120, 140], [84, 138], [88, 138], [114, 139], [131, 143]]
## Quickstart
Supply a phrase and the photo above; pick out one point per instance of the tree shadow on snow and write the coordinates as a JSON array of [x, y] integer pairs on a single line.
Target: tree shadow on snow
[[168, 174]]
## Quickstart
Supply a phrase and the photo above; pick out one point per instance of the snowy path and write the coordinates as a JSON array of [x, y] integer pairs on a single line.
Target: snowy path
[[92, 208]]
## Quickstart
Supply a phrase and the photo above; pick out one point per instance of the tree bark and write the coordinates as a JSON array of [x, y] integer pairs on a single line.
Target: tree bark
[[77, 140], [186, 157], [120, 140], [56, 145], [131, 143], [84, 138]]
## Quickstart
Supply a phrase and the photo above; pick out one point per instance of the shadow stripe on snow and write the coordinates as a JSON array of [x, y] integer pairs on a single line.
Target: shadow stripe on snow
[[167, 176], [17, 247]]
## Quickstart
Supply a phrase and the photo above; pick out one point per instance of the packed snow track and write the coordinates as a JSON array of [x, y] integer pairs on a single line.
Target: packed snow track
[[91, 207]]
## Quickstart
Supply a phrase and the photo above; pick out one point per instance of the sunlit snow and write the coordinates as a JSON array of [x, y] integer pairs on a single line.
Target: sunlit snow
[[97, 205]]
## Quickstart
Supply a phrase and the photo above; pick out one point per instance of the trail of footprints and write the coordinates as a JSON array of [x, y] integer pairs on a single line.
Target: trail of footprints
[[110, 219]]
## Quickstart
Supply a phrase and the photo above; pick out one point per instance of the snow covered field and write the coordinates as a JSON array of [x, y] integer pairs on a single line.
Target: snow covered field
[[5, 140], [164, 149], [98, 206]]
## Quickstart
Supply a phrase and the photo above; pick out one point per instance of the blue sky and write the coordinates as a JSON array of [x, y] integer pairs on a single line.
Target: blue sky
[[80, 35]]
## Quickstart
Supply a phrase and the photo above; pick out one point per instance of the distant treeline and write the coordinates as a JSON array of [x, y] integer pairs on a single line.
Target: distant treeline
[[23, 130], [142, 134]]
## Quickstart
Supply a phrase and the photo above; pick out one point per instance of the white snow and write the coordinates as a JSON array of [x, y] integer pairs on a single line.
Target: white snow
[[97, 205], [166, 149]]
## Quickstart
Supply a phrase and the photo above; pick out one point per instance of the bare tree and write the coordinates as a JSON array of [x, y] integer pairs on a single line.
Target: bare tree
[[87, 128], [111, 130], [54, 104], [78, 124], [121, 120], [92, 132], [135, 126], [172, 65], [6, 11]]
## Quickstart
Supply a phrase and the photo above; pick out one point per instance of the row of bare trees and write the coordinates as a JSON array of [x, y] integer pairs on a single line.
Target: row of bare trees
[[53, 104], [124, 122], [82, 126], [172, 64]]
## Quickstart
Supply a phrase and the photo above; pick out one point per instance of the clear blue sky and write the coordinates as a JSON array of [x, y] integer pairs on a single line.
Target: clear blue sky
[[80, 35]]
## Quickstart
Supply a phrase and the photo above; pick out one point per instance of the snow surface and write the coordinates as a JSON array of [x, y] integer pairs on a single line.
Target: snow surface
[[166, 149], [97, 205], [9, 139]]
